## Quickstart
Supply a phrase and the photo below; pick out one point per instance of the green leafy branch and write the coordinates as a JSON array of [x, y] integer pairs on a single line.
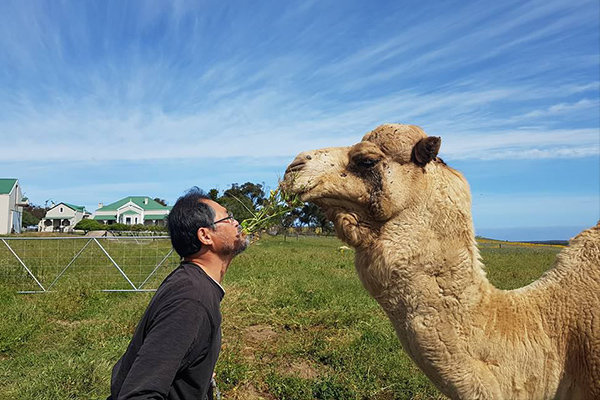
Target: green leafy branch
[[273, 208]]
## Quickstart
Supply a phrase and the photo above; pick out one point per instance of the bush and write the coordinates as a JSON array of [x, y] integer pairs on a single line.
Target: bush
[[93, 225], [90, 225], [135, 228], [117, 227]]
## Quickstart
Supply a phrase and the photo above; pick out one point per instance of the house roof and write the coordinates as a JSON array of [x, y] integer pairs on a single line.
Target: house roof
[[138, 200], [71, 206], [130, 212], [155, 216], [6, 185], [105, 217], [74, 207]]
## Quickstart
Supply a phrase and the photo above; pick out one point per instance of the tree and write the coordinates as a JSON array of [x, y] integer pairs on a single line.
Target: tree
[[29, 219], [160, 201], [38, 212], [253, 191], [240, 207], [312, 216], [288, 220], [213, 194], [242, 201]]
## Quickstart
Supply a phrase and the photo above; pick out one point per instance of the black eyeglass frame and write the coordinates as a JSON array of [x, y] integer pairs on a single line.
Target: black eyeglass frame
[[229, 216]]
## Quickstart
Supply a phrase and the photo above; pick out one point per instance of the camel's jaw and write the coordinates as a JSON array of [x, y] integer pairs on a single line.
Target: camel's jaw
[[295, 184], [309, 190], [304, 176]]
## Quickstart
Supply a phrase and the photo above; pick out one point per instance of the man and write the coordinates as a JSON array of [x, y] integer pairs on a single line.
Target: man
[[176, 344]]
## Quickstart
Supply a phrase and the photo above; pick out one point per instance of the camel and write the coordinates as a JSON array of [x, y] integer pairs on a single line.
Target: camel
[[408, 216]]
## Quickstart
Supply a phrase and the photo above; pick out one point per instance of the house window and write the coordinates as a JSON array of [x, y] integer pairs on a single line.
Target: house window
[[128, 221], [61, 209], [136, 220]]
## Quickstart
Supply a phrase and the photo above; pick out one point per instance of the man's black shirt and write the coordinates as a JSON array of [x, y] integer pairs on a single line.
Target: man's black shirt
[[176, 344]]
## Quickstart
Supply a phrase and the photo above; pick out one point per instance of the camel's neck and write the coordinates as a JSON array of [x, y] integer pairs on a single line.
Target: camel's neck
[[424, 269], [430, 284], [413, 265], [427, 256]]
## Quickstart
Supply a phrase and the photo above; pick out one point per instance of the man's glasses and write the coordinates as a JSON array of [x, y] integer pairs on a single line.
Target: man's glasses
[[228, 217]]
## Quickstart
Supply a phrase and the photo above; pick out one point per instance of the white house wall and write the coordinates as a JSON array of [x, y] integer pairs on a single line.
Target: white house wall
[[139, 211], [9, 212], [5, 214], [130, 206], [67, 213]]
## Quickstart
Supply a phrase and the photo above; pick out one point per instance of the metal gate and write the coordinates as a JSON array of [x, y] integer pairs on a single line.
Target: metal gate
[[114, 264]]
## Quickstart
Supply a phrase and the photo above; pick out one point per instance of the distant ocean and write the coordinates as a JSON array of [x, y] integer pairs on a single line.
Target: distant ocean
[[531, 233]]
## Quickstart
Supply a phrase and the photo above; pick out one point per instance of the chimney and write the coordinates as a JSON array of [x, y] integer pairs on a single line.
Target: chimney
[[100, 205], [145, 200]]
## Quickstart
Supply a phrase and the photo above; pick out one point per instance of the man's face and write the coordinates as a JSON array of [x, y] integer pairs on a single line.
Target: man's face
[[228, 238]]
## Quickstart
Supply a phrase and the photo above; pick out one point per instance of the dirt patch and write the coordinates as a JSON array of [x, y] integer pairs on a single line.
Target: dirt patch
[[256, 337], [99, 234], [302, 369], [73, 324], [258, 334], [248, 392], [68, 324]]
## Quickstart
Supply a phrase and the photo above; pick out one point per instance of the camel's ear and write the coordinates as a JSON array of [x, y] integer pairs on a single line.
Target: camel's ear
[[426, 150]]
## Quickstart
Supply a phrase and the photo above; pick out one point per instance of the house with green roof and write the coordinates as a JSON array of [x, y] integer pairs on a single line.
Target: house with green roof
[[133, 210], [11, 206], [62, 217]]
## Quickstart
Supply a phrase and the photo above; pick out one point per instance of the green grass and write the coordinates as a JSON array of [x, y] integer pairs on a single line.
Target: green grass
[[297, 324]]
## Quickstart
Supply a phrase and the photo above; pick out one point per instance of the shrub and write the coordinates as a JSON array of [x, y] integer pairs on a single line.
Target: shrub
[[89, 225], [118, 227]]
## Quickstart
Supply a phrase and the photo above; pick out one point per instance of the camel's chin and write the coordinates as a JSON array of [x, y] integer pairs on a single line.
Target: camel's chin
[[293, 185], [335, 205]]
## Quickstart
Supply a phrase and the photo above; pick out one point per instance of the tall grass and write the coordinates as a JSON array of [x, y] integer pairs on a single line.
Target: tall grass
[[296, 325]]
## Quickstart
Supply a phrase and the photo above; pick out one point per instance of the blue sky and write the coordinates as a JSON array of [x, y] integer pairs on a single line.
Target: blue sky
[[101, 100]]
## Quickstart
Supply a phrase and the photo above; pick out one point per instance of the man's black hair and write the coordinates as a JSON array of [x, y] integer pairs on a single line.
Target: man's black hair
[[189, 213]]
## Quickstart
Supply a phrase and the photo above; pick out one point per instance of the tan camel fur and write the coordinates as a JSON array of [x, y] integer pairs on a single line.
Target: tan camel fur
[[408, 215]]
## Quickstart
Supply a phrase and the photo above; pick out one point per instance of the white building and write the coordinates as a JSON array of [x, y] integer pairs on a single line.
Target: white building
[[11, 206], [133, 210], [62, 217]]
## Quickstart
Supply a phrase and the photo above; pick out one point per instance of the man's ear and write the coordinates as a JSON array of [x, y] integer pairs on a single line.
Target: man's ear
[[205, 236]]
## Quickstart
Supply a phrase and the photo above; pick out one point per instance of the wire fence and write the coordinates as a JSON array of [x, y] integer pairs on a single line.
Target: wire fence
[[117, 263]]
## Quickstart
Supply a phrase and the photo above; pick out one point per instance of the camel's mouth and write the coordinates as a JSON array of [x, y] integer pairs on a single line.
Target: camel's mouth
[[294, 185], [333, 206]]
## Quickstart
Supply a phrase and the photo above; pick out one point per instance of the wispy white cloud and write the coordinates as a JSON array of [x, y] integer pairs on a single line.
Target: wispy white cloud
[[249, 122], [562, 108], [523, 144], [188, 80]]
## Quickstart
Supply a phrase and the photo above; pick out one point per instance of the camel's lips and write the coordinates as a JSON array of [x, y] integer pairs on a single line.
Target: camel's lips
[[290, 185]]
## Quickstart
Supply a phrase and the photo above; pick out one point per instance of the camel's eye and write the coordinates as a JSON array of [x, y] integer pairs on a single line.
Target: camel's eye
[[366, 162]]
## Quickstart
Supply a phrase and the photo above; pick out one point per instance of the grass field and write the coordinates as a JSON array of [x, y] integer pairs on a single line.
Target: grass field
[[297, 324]]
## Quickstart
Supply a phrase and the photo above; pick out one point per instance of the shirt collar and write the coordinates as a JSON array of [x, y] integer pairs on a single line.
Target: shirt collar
[[204, 272]]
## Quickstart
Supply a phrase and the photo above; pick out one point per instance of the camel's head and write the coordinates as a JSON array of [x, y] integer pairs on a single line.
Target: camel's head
[[364, 186]]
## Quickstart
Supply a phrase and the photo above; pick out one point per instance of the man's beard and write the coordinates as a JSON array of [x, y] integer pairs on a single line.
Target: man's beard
[[237, 246], [241, 244]]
